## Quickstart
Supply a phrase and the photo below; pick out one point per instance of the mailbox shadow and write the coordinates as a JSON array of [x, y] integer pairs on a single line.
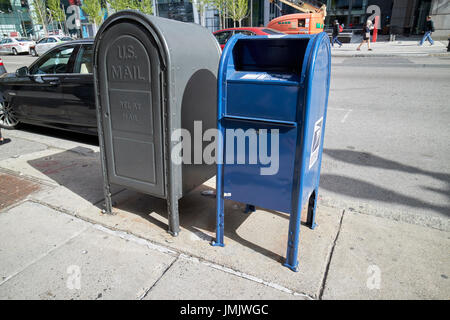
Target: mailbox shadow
[[356, 188], [77, 169], [197, 213]]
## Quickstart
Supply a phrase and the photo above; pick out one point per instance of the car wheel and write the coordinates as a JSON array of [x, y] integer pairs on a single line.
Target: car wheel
[[33, 52], [14, 51], [8, 119]]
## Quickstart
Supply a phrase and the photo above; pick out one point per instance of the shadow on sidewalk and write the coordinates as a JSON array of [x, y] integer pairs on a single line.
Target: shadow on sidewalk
[[76, 169], [364, 190], [198, 215], [79, 170]]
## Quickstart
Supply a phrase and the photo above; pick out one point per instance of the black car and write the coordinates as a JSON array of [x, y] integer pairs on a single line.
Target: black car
[[57, 90]]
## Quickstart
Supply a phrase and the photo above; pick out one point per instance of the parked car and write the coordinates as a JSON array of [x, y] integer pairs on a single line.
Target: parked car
[[56, 90], [223, 35], [15, 45], [45, 44]]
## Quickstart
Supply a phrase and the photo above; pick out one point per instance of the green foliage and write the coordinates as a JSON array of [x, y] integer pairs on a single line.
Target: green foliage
[[93, 10], [237, 10], [39, 14], [145, 6], [56, 11], [221, 7]]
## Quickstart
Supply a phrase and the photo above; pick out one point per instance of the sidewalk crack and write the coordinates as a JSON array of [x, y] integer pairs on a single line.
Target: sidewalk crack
[[330, 257], [146, 292]]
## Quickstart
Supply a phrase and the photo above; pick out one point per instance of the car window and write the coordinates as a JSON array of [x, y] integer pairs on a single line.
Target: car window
[[56, 61], [51, 40], [222, 37], [245, 32], [271, 31], [8, 41], [66, 39], [83, 63], [43, 40], [22, 39]]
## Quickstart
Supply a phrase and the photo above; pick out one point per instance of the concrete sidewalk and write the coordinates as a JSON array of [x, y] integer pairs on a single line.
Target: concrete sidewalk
[[56, 244], [403, 48]]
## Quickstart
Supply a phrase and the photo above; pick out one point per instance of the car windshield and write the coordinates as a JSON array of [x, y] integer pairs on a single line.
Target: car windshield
[[271, 31]]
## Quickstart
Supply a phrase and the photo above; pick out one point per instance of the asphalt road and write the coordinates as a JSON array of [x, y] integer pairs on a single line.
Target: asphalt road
[[12, 63], [387, 140]]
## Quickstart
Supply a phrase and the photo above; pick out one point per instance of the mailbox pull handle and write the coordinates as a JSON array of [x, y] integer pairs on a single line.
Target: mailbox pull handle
[[291, 124]]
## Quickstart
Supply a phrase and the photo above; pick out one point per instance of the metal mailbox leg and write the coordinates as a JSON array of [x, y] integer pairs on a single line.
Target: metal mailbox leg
[[312, 204], [220, 224], [249, 208], [108, 200], [219, 212], [174, 223], [293, 237], [219, 242]]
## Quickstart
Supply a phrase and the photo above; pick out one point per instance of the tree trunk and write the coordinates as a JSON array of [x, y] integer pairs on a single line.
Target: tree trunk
[[251, 13]]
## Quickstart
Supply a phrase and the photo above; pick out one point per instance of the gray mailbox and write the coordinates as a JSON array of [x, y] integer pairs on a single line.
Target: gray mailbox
[[152, 77]]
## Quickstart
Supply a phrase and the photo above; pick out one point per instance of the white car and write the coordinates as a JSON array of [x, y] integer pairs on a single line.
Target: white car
[[45, 44], [15, 45]]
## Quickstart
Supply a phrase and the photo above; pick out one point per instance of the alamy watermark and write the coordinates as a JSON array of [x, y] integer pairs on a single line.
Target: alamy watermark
[[374, 279], [74, 279], [251, 146]]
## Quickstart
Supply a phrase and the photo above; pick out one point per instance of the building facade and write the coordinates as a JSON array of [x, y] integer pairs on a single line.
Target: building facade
[[395, 16], [15, 18], [405, 17]]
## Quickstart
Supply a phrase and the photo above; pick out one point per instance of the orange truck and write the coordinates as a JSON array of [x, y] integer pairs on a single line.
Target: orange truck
[[309, 21], [298, 23]]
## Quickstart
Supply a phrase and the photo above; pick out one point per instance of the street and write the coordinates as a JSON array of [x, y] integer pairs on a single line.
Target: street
[[383, 212], [387, 138]]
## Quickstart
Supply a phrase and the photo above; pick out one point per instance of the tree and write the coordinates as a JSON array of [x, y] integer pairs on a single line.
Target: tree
[[39, 14], [145, 6], [93, 10], [237, 10], [201, 5], [56, 12], [220, 6]]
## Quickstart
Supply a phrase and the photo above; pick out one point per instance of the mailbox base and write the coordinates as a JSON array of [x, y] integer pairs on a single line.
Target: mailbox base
[[249, 208], [217, 244], [292, 267]]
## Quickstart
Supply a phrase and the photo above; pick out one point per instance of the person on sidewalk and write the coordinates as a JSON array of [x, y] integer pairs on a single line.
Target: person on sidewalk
[[429, 28], [334, 36], [366, 35]]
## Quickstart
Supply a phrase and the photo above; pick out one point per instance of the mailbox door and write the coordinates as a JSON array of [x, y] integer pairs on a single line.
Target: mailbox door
[[265, 183], [129, 69]]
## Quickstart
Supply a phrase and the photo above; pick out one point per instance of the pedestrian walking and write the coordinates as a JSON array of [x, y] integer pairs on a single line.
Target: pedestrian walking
[[334, 36], [429, 28], [366, 35]]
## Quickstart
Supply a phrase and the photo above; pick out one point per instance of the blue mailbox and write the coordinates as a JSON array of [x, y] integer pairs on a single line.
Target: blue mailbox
[[272, 106]]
